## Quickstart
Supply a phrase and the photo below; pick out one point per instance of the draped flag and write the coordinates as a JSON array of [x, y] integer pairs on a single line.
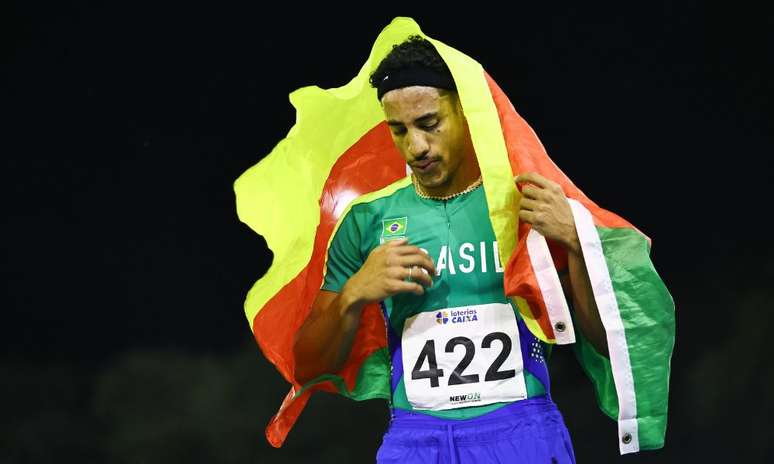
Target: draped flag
[[340, 153]]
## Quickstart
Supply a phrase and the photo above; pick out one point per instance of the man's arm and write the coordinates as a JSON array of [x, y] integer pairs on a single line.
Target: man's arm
[[545, 207], [577, 287], [324, 341], [325, 338]]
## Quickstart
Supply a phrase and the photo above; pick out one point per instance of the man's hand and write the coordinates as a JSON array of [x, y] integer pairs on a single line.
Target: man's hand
[[545, 207], [325, 339], [391, 268]]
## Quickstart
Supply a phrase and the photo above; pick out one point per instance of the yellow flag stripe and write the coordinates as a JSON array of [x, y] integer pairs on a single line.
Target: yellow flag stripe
[[487, 134], [296, 169], [278, 197]]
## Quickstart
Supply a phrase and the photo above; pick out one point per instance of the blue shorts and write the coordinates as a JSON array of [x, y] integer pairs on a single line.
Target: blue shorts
[[528, 431]]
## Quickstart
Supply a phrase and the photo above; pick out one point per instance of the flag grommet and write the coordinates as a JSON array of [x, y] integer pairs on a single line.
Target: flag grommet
[[627, 438], [560, 326]]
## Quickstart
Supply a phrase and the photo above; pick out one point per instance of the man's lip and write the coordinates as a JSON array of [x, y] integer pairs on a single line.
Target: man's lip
[[424, 164]]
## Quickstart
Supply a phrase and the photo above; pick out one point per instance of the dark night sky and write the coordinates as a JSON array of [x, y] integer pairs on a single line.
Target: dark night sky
[[125, 267]]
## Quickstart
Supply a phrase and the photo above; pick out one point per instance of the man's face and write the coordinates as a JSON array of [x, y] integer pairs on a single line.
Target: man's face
[[429, 129]]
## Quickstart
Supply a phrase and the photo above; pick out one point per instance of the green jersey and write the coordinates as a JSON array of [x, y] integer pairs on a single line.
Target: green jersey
[[461, 349]]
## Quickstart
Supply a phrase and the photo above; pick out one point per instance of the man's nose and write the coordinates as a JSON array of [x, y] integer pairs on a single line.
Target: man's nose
[[417, 144]]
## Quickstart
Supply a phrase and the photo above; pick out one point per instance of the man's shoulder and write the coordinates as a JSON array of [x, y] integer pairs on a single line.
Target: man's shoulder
[[373, 203]]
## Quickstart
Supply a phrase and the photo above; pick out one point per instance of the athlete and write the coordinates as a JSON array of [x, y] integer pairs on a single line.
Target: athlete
[[469, 381]]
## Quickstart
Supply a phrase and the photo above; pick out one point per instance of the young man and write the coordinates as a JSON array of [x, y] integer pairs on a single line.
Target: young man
[[469, 381]]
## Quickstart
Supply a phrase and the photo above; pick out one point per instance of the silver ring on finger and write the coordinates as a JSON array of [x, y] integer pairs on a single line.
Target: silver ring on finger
[[411, 270]]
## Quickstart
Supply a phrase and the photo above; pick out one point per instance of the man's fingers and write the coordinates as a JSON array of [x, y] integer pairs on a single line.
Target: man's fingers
[[418, 290], [421, 260], [420, 276], [407, 249], [414, 256], [408, 287], [534, 193], [411, 272], [527, 216], [528, 204], [397, 242], [533, 178]]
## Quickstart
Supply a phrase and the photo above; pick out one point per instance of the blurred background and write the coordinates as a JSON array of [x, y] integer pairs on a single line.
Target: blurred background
[[124, 266]]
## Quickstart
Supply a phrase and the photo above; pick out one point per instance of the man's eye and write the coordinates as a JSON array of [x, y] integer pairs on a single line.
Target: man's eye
[[399, 131], [431, 125]]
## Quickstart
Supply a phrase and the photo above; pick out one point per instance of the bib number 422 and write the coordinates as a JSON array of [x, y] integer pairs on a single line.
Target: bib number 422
[[450, 363], [457, 377]]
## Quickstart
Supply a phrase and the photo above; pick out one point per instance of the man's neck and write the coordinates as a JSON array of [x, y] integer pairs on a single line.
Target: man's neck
[[461, 182]]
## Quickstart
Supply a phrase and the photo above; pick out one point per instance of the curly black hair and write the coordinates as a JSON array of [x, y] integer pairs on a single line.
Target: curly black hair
[[416, 51]]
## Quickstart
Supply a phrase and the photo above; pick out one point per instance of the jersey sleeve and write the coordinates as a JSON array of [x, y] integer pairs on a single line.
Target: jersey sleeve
[[344, 254]]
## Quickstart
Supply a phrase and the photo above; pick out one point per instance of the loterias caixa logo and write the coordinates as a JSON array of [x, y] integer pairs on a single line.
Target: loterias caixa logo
[[456, 316]]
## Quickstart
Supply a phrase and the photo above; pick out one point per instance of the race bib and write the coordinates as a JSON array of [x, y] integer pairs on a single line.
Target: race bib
[[466, 356]]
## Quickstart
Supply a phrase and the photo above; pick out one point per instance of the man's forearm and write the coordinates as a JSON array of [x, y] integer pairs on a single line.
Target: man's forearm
[[586, 311], [324, 341]]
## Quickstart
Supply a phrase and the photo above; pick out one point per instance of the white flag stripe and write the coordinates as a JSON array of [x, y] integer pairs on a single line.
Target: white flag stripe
[[551, 288], [604, 295]]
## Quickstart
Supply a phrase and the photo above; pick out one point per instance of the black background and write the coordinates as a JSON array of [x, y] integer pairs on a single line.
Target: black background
[[124, 266]]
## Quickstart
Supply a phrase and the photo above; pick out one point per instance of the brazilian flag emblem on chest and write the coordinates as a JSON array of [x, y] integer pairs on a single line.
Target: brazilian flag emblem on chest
[[394, 228]]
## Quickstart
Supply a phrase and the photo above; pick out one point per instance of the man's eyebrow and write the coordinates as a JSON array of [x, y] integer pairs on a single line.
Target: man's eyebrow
[[422, 118]]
